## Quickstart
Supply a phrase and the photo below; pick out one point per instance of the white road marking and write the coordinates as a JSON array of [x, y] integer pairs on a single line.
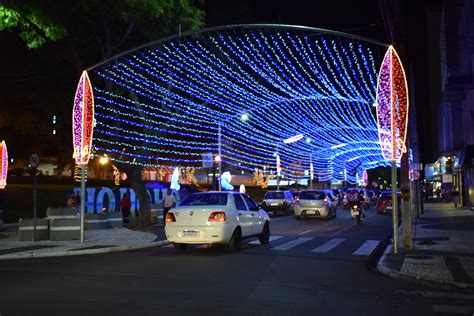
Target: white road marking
[[461, 296], [333, 243], [306, 231], [453, 309], [293, 243], [367, 248], [340, 231], [272, 238]]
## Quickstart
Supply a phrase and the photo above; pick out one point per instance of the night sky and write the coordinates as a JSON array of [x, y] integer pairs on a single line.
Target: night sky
[[36, 84]]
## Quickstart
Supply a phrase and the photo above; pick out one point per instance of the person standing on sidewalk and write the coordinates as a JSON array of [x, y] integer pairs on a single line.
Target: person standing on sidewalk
[[455, 195], [169, 201], [125, 205]]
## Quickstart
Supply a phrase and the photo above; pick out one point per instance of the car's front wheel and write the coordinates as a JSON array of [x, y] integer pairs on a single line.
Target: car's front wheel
[[235, 240], [264, 238]]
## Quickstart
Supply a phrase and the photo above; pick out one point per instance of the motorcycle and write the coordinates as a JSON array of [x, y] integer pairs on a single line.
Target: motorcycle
[[357, 212]]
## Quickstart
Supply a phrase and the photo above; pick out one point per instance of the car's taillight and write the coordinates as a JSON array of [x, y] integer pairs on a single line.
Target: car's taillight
[[325, 201], [170, 217], [285, 203], [217, 217], [298, 200], [354, 206]]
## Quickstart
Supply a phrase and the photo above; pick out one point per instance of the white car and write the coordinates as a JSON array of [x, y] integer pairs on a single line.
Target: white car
[[216, 218], [316, 203]]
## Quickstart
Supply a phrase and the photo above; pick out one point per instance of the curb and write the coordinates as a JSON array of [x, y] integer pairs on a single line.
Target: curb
[[31, 254], [395, 274]]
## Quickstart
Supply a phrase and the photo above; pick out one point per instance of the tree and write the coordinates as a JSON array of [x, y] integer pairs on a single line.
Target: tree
[[90, 31]]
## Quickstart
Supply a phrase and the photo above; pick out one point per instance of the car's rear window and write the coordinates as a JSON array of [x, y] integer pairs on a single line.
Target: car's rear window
[[205, 199], [274, 196], [386, 194], [312, 195]]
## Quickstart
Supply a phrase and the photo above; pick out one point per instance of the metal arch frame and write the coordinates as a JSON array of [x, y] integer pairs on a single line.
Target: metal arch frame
[[239, 27], [243, 26]]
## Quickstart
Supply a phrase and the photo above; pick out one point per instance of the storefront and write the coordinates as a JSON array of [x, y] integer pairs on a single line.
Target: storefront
[[464, 175]]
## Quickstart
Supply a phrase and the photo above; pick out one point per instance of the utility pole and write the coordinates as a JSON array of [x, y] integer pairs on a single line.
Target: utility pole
[[405, 193]]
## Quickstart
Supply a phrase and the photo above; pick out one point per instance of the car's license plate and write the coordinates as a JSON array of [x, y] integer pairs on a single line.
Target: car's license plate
[[310, 212], [389, 208], [355, 212], [274, 204], [190, 233]]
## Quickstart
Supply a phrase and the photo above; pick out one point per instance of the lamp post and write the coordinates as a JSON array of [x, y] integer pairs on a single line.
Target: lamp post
[[392, 120], [243, 117], [82, 128]]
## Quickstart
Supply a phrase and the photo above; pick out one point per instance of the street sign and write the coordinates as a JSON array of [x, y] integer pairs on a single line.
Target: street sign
[[207, 160], [34, 161]]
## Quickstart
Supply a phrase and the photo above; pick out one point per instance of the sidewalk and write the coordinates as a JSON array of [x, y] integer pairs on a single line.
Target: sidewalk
[[95, 241], [443, 251]]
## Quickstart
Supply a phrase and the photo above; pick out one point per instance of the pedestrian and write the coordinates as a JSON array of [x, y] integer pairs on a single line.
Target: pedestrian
[[77, 199], [438, 192], [169, 201], [71, 201], [455, 195], [125, 205]]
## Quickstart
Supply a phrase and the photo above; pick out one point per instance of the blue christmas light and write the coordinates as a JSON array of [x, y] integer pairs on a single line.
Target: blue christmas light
[[161, 105]]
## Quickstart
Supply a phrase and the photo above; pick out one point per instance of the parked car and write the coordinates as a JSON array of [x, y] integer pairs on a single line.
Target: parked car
[[278, 201], [372, 196], [295, 194], [216, 218], [315, 203], [384, 202]]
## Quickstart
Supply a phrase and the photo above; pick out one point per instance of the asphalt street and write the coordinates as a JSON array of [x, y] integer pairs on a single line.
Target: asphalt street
[[310, 267]]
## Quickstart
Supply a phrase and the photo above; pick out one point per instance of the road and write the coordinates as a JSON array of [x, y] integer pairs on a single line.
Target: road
[[310, 267]]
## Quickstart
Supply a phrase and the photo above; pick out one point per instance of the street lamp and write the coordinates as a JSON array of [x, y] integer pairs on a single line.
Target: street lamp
[[83, 126], [104, 160], [244, 117]]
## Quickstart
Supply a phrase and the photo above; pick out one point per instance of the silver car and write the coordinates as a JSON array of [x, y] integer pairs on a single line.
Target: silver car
[[317, 203], [278, 201]]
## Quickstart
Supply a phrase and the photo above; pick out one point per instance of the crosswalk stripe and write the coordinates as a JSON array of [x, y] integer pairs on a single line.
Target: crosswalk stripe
[[367, 248], [293, 243], [272, 238], [452, 309], [333, 243]]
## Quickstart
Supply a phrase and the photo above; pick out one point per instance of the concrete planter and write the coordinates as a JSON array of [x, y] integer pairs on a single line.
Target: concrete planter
[[65, 229], [115, 220], [96, 221], [25, 229], [61, 212]]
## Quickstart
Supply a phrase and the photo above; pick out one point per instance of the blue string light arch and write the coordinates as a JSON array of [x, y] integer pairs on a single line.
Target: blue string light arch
[[161, 104]]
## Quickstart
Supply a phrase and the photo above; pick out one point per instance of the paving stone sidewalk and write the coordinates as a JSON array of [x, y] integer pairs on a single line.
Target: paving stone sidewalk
[[443, 251], [95, 241]]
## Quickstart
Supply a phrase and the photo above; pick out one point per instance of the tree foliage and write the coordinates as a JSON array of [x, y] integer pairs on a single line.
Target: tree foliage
[[90, 31], [96, 30]]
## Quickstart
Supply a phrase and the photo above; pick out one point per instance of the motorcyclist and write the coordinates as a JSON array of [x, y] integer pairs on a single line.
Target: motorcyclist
[[355, 198]]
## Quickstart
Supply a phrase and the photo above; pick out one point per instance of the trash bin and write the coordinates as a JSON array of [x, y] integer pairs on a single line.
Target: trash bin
[[26, 228], [65, 229]]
